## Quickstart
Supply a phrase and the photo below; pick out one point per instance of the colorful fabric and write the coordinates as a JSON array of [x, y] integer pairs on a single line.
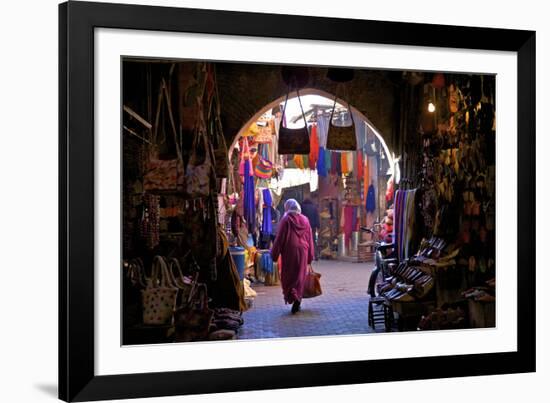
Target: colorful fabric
[[404, 222], [264, 169], [366, 177], [338, 163], [294, 244], [328, 159], [410, 218], [266, 263], [245, 158], [321, 166], [344, 162], [313, 147], [305, 158], [267, 225], [249, 205], [360, 170], [299, 161], [371, 200], [389, 190], [348, 223]]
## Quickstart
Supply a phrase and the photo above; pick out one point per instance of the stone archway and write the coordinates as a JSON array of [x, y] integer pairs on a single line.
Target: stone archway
[[314, 91]]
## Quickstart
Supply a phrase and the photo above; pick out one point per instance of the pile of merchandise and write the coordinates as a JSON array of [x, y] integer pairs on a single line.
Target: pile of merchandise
[[481, 293], [407, 283], [443, 319], [225, 324]]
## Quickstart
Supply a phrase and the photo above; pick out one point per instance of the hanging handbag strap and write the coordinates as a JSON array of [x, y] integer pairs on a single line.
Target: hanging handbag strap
[[161, 276], [164, 96], [299, 101], [179, 278], [334, 107]]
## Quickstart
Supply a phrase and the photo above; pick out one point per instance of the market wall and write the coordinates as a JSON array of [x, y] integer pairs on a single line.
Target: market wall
[[245, 89]]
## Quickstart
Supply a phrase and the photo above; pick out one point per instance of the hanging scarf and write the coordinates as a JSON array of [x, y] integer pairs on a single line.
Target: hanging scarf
[[328, 160], [371, 200], [267, 227], [313, 147], [348, 223], [409, 223], [245, 159], [248, 200], [321, 167], [404, 221], [299, 161], [344, 163], [338, 161], [360, 170], [366, 177]]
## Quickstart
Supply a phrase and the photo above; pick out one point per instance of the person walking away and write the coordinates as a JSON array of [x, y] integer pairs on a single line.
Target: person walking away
[[310, 210], [294, 243]]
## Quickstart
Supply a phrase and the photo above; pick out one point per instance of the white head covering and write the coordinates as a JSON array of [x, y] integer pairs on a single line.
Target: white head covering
[[292, 206]]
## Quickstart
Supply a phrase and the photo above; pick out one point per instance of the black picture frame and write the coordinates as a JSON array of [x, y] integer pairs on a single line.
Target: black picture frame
[[77, 379]]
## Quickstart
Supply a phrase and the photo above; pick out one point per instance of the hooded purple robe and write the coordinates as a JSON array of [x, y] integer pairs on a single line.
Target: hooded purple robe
[[295, 246]]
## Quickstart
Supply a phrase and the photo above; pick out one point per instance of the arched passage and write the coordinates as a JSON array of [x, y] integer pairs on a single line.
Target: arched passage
[[392, 158]]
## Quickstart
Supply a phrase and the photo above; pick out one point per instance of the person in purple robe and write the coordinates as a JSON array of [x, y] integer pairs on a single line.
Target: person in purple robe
[[294, 244]]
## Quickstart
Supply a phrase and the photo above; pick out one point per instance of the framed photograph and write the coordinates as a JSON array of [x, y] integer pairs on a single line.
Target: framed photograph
[[259, 201]]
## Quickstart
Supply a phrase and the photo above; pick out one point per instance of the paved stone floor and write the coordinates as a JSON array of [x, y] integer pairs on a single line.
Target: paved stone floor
[[341, 309]]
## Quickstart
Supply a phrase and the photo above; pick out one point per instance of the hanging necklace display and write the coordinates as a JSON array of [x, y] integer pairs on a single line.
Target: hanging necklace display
[[341, 138], [293, 141]]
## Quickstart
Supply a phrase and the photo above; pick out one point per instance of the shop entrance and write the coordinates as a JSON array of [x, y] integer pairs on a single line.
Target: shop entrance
[[208, 188], [339, 191]]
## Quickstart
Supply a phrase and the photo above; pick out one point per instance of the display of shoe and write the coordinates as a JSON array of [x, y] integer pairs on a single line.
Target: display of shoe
[[486, 298], [406, 297]]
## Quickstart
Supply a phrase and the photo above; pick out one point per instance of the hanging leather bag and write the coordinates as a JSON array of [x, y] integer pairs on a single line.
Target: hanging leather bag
[[198, 173], [164, 175], [312, 285], [341, 138], [192, 321], [293, 141], [221, 160]]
